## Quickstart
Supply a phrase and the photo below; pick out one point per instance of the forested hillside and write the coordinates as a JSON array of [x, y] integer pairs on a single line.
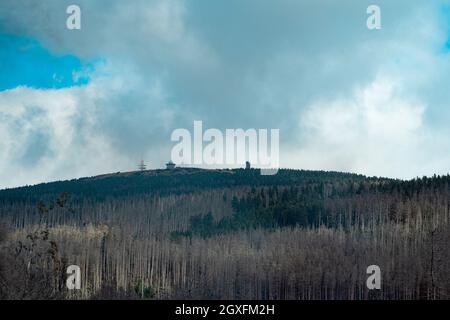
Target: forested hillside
[[227, 234], [162, 182]]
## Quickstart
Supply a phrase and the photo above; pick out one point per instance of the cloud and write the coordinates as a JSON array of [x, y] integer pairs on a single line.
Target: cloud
[[376, 131], [52, 134], [305, 67], [393, 125]]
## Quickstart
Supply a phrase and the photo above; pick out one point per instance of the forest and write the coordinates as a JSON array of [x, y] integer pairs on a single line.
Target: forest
[[227, 234]]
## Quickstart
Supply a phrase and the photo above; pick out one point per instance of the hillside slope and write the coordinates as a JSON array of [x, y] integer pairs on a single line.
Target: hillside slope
[[231, 234], [180, 180]]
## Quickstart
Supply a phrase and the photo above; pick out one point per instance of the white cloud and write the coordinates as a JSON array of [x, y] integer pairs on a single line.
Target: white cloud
[[376, 131], [370, 102], [393, 125], [67, 133]]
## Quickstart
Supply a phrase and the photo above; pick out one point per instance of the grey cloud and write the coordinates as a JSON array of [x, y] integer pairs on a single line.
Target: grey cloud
[[230, 63]]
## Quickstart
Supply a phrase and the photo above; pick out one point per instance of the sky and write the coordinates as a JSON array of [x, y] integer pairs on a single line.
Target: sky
[[77, 103]]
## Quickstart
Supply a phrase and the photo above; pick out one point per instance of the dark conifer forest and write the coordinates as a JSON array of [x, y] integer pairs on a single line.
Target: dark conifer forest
[[227, 234]]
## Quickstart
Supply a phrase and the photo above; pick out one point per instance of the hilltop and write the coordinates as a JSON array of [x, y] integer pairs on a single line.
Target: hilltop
[[180, 180]]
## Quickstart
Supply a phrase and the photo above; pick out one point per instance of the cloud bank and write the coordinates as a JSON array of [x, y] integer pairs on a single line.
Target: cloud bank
[[344, 98]]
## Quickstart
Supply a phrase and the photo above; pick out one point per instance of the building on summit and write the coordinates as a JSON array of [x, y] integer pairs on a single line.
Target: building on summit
[[170, 165]]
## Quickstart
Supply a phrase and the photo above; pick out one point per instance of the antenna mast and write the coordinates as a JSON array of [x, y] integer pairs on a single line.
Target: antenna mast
[[142, 166]]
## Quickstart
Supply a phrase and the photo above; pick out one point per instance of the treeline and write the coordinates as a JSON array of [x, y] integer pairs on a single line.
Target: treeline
[[165, 182], [314, 205], [267, 208]]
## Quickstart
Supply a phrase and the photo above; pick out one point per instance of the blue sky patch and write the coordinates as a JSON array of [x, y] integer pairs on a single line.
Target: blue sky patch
[[25, 62], [445, 11]]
